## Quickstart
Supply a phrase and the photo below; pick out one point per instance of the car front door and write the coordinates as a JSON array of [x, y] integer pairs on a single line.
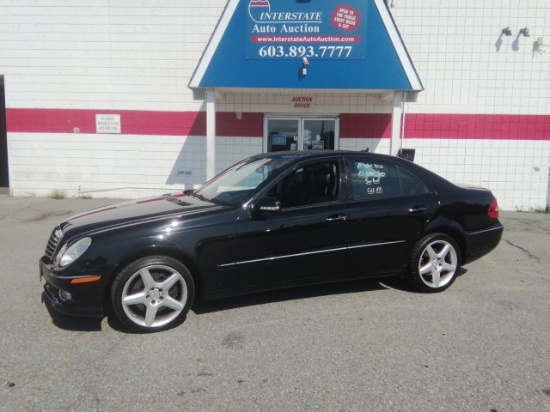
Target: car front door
[[303, 242]]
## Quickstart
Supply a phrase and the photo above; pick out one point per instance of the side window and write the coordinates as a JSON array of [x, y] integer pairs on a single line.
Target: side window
[[373, 180], [310, 184], [410, 184]]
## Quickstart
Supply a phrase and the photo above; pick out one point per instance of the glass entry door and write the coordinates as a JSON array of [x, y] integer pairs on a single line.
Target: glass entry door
[[300, 133]]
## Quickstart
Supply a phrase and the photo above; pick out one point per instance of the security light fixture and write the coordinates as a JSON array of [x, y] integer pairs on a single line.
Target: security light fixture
[[305, 63], [525, 32], [507, 31]]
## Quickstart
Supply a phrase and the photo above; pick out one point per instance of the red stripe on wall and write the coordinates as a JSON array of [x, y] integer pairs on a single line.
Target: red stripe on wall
[[132, 122], [360, 125], [250, 125], [367, 125], [483, 126]]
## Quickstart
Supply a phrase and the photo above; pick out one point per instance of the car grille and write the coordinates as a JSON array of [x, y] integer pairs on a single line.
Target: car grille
[[53, 242]]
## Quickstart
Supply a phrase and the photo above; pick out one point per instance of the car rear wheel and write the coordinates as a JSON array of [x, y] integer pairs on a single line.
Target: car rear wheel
[[435, 262], [152, 294]]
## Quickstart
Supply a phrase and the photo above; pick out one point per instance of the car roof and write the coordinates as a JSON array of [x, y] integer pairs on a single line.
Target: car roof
[[314, 154]]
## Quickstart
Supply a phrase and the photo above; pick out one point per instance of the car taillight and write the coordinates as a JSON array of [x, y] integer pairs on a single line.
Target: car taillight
[[493, 209]]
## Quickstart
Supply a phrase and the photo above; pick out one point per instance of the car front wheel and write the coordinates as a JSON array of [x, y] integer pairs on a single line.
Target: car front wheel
[[152, 294], [435, 262]]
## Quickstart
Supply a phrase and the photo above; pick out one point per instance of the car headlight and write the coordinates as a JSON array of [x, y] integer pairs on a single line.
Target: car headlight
[[68, 255]]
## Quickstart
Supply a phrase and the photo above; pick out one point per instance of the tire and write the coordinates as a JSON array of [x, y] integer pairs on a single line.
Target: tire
[[152, 294], [435, 262]]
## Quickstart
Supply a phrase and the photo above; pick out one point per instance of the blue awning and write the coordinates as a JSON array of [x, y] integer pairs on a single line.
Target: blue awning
[[306, 44]]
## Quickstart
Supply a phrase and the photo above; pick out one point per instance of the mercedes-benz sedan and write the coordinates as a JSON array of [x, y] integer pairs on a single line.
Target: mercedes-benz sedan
[[271, 221]]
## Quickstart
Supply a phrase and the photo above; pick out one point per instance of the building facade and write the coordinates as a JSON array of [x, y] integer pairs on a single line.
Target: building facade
[[124, 98]]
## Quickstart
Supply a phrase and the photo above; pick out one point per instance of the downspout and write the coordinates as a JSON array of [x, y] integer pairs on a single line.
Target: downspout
[[397, 123], [403, 121]]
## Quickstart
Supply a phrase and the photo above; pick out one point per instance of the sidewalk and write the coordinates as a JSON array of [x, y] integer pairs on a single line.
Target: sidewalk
[[15, 210]]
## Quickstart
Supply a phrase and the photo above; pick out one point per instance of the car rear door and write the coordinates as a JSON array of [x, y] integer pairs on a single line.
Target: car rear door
[[389, 208]]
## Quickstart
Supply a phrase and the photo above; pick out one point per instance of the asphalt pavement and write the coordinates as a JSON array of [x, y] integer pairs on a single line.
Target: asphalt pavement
[[483, 345]]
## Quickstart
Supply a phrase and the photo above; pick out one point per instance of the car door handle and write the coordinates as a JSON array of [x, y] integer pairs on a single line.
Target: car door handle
[[336, 219], [415, 210]]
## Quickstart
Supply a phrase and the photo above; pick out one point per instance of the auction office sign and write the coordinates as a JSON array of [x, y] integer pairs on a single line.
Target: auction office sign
[[283, 29]]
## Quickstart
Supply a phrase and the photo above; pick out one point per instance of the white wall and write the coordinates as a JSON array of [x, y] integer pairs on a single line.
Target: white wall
[[131, 165], [140, 55], [468, 66], [102, 166], [103, 54], [516, 171], [106, 54]]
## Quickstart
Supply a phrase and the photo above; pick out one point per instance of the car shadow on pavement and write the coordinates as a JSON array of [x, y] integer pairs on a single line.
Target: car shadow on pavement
[[400, 283], [262, 298], [305, 292], [72, 323], [84, 324]]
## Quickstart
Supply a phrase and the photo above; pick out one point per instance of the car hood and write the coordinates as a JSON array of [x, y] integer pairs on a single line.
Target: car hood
[[131, 212]]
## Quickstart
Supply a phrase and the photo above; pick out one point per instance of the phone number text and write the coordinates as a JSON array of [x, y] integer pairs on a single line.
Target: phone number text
[[323, 52]]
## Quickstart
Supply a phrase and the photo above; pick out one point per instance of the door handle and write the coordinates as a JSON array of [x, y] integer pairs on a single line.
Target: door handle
[[415, 210], [336, 219]]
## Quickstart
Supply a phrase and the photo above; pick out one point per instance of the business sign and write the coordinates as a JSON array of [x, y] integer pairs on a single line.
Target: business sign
[[282, 29], [306, 45], [107, 123], [302, 102]]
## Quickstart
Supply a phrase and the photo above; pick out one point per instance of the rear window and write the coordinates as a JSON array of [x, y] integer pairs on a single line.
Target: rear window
[[380, 180], [373, 180], [411, 184]]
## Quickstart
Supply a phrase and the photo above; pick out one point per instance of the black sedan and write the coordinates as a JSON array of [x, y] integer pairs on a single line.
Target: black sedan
[[271, 221]]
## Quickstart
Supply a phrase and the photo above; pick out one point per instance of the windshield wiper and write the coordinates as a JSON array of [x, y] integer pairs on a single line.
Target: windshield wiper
[[200, 197]]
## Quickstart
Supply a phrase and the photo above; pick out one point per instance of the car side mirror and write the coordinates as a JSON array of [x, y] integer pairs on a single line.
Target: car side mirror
[[265, 205]]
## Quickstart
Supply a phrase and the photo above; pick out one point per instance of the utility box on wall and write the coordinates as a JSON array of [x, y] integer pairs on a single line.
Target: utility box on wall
[[406, 154]]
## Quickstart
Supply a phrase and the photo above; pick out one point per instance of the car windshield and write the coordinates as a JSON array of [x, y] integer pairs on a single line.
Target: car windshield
[[239, 181]]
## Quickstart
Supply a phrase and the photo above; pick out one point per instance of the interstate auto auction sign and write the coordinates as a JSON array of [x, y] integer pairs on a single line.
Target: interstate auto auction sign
[[282, 29]]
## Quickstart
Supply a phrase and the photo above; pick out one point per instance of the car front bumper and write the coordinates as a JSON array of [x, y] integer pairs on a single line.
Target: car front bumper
[[87, 298]]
